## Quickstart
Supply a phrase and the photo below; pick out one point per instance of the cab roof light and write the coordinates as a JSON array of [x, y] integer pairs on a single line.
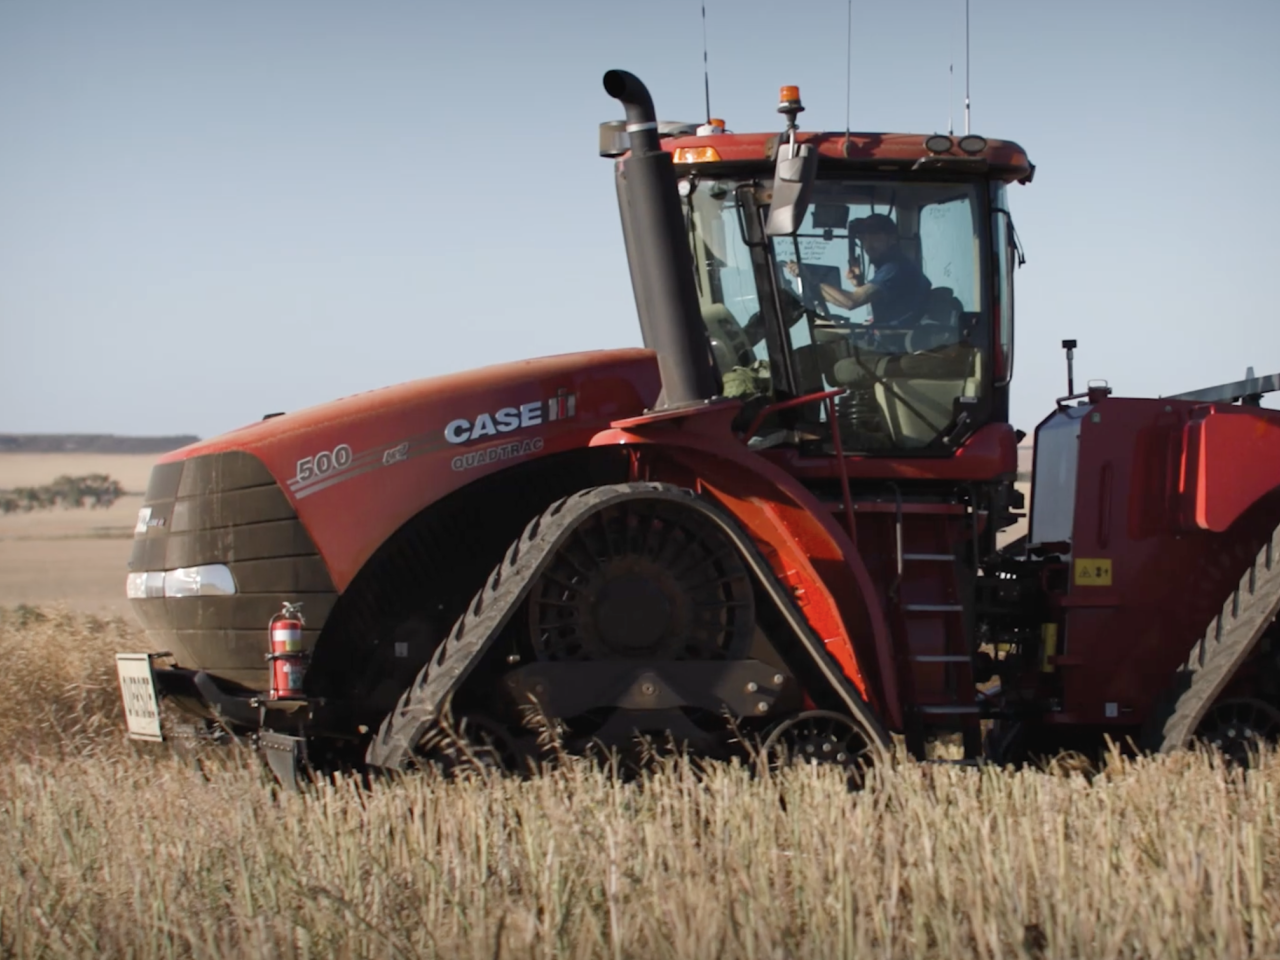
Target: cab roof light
[[695, 155], [939, 143], [972, 144], [711, 128], [789, 106]]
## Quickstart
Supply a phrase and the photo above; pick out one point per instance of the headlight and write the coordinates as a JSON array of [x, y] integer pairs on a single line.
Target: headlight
[[143, 586], [210, 580]]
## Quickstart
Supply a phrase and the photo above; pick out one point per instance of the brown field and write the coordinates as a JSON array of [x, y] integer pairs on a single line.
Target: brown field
[[74, 557], [108, 849], [33, 469]]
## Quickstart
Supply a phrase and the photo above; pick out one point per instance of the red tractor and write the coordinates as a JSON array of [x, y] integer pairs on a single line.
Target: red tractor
[[778, 520]]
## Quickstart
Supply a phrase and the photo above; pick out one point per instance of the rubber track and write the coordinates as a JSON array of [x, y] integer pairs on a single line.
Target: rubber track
[[1224, 647], [427, 698]]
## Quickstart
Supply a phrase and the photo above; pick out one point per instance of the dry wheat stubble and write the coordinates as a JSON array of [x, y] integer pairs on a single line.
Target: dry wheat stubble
[[107, 850]]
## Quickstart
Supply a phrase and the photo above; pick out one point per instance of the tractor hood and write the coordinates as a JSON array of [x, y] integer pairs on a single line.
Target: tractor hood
[[631, 374], [355, 469]]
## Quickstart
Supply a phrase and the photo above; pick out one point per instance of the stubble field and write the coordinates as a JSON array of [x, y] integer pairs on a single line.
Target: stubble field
[[111, 849], [115, 849]]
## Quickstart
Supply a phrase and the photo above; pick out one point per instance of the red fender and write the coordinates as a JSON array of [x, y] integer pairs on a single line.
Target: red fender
[[795, 533], [1230, 459]]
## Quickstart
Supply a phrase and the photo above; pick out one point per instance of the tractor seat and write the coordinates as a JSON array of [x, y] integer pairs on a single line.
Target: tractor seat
[[944, 307], [729, 343], [940, 324], [916, 392]]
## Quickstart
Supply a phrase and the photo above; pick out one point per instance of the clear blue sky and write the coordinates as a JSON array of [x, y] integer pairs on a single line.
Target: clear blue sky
[[209, 211]]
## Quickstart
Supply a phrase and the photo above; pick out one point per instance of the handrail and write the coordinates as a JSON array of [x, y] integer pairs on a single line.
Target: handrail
[[844, 470], [829, 396], [787, 405]]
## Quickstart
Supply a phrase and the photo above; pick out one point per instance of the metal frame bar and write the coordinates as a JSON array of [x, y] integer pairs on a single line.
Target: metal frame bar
[[1231, 392]]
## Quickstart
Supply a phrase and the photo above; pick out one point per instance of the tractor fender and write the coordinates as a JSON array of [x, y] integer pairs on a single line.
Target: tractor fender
[[805, 548], [1230, 460]]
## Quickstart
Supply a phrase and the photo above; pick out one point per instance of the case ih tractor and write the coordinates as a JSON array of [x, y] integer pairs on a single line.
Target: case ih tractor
[[778, 520]]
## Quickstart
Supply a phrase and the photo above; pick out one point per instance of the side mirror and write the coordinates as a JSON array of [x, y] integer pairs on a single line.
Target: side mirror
[[792, 181]]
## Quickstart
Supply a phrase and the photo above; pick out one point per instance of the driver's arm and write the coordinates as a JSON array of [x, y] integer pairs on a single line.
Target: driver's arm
[[849, 300]]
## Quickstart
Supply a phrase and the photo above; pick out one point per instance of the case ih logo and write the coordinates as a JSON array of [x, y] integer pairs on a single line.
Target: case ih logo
[[560, 407]]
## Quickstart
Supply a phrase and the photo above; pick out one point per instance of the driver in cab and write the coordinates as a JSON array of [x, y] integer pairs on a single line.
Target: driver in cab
[[898, 291]]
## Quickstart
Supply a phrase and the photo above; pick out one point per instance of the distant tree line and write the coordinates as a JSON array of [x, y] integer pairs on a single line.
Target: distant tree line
[[92, 490], [89, 443]]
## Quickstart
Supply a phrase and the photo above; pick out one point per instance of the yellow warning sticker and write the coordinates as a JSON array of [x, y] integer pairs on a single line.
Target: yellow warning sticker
[[1093, 572]]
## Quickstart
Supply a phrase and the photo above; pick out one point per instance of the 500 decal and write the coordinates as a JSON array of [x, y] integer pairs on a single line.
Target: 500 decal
[[323, 463], [328, 467]]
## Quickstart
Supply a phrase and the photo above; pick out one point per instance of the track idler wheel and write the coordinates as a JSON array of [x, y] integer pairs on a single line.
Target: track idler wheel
[[1239, 728], [821, 737], [642, 580]]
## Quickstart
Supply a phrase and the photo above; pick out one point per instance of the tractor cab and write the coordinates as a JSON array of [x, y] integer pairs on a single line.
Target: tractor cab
[[901, 315], [887, 278]]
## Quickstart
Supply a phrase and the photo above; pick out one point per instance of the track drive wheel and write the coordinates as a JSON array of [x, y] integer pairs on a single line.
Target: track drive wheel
[[1189, 709], [821, 737]]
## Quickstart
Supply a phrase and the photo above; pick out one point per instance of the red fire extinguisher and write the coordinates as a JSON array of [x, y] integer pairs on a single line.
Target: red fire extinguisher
[[288, 659]]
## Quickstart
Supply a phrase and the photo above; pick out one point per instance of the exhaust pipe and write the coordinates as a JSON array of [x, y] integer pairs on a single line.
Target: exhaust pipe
[[658, 250]]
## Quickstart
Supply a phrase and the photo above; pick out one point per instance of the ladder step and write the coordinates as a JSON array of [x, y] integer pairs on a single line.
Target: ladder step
[[928, 556], [933, 607], [947, 709], [940, 658]]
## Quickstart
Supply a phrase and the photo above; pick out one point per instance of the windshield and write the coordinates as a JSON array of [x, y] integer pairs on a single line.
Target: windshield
[[880, 294]]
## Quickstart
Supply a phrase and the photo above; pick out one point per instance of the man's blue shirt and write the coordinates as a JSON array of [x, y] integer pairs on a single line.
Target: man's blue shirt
[[902, 291]]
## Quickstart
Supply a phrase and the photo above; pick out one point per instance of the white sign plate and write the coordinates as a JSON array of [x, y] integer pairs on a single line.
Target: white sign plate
[[138, 690]]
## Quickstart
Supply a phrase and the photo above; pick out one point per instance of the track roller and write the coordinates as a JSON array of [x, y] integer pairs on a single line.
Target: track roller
[[822, 737]]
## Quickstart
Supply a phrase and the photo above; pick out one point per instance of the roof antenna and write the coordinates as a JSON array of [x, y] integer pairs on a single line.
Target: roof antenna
[[966, 67], [951, 99], [706, 74], [848, 80]]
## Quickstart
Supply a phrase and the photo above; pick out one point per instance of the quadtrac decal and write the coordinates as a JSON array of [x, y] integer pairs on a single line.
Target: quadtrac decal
[[483, 456], [325, 468]]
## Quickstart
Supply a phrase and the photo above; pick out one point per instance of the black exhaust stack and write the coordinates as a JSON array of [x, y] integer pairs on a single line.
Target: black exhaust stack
[[658, 248]]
